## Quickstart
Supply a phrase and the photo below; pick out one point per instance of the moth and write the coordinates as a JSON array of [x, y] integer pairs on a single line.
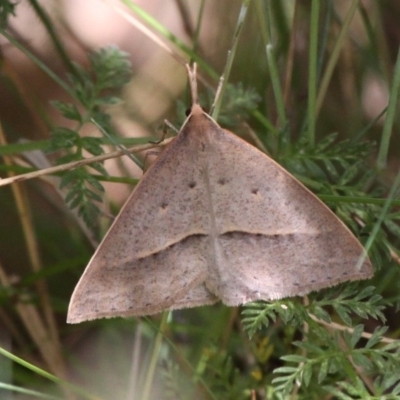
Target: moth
[[215, 219]]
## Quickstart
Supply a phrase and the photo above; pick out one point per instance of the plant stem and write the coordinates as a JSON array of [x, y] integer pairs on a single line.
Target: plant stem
[[312, 71], [391, 112]]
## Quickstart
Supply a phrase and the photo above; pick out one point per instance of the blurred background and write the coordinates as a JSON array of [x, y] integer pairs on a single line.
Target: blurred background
[[44, 251]]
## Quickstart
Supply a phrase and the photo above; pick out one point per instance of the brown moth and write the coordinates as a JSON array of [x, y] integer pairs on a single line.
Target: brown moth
[[215, 219]]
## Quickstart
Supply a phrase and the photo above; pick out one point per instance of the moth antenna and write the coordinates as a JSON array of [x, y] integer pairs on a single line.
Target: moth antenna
[[192, 73]]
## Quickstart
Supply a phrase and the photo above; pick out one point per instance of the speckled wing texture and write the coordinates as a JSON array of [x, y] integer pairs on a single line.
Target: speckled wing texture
[[215, 219]]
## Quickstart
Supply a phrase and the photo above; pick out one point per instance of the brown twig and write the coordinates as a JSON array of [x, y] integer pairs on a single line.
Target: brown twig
[[75, 164]]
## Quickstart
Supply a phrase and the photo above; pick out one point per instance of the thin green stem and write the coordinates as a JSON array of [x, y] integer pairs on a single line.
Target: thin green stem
[[44, 373], [214, 112], [391, 113], [46, 21], [276, 85], [265, 122], [198, 26], [356, 199], [365, 130], [388, 203], [157, 26], [154, 357], [115, 142], [39, 63], [197, 378], [27, 392], [323, 87], [312, 71], [263, 20], [325, 29]]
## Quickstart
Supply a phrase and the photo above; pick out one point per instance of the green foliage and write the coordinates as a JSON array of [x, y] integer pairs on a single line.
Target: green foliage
[[338, 359], [174, 382], [325, 356], [389, 389], [7, 8], [329, 159], [324, 361], [239, 103], [341, 169], [222, 376], [94, 88], [345, 301]]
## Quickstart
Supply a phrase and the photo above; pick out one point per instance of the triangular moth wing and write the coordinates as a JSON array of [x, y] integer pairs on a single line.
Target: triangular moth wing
[[274, 238], [154, 257]]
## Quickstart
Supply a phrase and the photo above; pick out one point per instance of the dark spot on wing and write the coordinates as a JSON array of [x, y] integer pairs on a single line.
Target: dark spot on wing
[[192, 185], [164, 205], [222, 181], [254, 191]]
